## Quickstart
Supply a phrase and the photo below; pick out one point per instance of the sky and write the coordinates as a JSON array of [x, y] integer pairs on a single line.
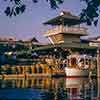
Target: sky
[[30, 23]]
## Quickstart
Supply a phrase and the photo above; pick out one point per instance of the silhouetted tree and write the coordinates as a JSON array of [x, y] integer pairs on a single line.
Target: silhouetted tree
[[89, 13]]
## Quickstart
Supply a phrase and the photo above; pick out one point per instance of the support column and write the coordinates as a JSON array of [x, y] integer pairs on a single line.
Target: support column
[[47, 69], [23, 69], [37, 68], [27, 69], [19, 69], [99, 88], [98, 70], [98, 64], [32, 69], [13, 70], [43, 68]]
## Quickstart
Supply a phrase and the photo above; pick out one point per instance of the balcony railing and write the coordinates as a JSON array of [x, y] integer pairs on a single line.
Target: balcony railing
[[67, 30]]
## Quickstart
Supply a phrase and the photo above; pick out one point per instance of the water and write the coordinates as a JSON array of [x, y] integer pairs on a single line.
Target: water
[[49, 89]]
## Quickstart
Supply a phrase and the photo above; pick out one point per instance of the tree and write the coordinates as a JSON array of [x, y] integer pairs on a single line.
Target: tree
[[89, 14], [18, 6]]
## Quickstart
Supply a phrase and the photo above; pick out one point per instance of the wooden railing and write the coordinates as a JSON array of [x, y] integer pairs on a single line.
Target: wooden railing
[[64, 29]]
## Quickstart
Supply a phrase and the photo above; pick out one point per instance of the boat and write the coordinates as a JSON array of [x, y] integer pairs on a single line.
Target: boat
[[78, 66]]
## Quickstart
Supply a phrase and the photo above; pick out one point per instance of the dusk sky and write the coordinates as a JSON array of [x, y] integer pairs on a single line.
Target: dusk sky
[[29, 24]]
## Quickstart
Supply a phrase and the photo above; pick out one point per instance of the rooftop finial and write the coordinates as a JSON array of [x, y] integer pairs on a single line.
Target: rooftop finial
[[64, 12]]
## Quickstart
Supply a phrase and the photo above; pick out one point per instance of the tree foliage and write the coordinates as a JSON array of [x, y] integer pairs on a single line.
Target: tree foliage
[[18, 6], [89, 14]]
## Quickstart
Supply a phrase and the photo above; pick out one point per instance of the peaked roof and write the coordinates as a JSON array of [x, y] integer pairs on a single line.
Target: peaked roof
[[34, 40], [65, 18]]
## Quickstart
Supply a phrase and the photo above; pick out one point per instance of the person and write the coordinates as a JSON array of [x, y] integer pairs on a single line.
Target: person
[[65, 63], [81, 64], [86, 65]]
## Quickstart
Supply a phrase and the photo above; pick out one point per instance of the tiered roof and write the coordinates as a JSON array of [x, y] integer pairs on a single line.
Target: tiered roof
[[65, 18]]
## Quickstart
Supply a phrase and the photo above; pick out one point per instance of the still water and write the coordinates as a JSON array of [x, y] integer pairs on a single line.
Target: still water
[[49, 89]]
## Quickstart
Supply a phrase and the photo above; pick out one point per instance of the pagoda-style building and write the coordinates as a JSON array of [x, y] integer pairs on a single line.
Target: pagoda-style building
[[65, 29]]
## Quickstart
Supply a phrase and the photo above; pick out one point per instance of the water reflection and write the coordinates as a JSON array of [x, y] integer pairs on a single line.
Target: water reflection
[[82, 89], [49, 89]]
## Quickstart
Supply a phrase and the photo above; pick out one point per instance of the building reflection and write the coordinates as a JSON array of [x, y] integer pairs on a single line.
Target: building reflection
[[51, 88], [81, 89], [41, 83]]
